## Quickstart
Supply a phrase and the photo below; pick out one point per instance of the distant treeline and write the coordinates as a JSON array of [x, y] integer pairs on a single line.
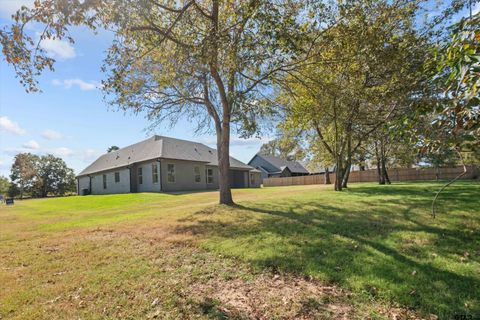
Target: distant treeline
[[38, 177]]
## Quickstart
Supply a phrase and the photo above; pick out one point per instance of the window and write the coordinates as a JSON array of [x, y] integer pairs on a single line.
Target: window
[[170, 172], [196, 173], [117, 177], [140, 175], [155, 172], [104, 181], [252, 179], [209, 175]]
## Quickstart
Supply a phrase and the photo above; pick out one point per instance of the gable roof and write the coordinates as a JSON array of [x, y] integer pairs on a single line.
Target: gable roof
[[158, 147], [282, 164]]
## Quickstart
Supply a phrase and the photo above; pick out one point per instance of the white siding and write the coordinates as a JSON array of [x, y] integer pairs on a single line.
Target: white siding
[[147, 183], [83, 183], [112, 187], [184, 176], [213, 185]]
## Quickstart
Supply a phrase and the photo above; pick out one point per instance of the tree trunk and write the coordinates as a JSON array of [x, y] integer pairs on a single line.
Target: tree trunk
[[346, 170], [434, 202], [381, 178], [338, 174], [223, 152], [327, 176], [346, 174], [383, 158], [385, 177], [362, 163]]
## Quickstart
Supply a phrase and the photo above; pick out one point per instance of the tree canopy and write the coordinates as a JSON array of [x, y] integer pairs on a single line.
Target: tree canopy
[[112, 148], [40, 176], [211, 61]]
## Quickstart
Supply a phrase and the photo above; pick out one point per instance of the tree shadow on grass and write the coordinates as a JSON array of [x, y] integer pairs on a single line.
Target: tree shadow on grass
[[389, 252]]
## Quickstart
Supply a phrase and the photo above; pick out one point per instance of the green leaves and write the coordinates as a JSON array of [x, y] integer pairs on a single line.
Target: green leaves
[[458, 74]]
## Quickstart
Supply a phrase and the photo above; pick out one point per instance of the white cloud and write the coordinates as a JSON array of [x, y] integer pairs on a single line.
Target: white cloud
[[8, 125], [58, 48], [50, 134], [62, 152], [83, 85], [32, 145], [476, 9]]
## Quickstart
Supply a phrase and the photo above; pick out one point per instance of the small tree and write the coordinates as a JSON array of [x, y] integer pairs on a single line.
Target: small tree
[[288, 145], [4, 185], [24, 173], [112, 148], [320, 157]]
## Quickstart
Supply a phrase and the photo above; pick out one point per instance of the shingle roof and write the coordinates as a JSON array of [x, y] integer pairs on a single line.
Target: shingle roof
[[281, 164], [159, 147]]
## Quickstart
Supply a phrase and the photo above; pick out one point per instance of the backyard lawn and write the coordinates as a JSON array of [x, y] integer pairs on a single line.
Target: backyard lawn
[[303, 252]]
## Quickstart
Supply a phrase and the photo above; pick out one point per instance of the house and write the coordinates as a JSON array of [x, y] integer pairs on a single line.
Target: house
[[161, 164], [271, 166]]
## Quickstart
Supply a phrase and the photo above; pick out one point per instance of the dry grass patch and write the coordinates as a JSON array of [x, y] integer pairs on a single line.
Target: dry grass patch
[[153, 272]]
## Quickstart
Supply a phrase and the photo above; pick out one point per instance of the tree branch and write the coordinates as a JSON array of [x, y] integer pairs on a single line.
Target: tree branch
[[434, 202]]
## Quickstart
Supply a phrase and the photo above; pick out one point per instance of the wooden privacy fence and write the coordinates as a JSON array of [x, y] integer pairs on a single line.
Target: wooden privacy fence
[[400, 174]]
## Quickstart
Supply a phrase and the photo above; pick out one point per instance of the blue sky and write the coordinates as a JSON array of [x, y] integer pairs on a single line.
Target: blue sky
[[69, 118]]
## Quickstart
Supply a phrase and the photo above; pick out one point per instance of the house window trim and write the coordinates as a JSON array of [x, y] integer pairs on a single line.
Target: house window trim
[[117, 174], [174, 173], [155, 173], [140, 175], [207, 176], [104, 181], [195, 174]]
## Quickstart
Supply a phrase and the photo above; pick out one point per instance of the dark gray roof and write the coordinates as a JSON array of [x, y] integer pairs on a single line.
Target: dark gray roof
[[158, 147], [281, 164]]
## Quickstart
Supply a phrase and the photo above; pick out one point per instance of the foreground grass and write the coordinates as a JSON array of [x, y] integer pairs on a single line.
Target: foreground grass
[[174, 255]]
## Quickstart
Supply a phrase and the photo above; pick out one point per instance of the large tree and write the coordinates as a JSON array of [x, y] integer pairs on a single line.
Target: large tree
[[210, 60], [55, 176]]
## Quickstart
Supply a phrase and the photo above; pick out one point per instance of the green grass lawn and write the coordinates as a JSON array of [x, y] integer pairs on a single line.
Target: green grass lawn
[[369, 251]]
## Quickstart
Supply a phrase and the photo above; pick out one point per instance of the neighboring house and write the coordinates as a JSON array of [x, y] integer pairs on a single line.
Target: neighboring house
[[271, 166], [161, 164]]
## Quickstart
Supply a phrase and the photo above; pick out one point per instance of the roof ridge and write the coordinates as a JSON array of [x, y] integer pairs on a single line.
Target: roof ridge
[[130, 145], [165, 137], [155, 147]]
